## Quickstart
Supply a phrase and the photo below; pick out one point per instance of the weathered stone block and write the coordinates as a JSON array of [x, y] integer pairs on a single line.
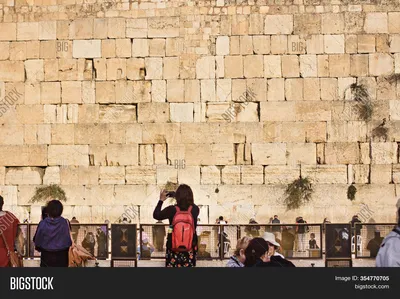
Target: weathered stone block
[[279, 44], [189, 175], [230, 175], [294, 89], [290, 66], [261, 44], [68, 155], [366, 43], [157, 47], [376, 22], [334, 43], [332, 23], [27, 31], [342, 153], [141, 175], [308, 66], [307, 23], [71, 92], [11, 71], [278, 24], [253, 66], [381, 174], [163, 27], [154, 68], [116, 27], [171, 67], [8, 31], [116, 68], [117, 114], [86, 49], [268, 153], [24, 176], [91, 134], [380, 64], [233, 67], [136, 28], [325, 174], [272, 66], [275, 174], [110, 175], [81, 29], [301, 153], [383, 152], [308, 111], [210, 175], [339, 65], [153, 112], [359, 65], [252, 175], [181, 112]]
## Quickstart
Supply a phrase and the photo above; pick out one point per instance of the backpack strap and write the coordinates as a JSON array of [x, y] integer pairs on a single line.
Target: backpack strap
[[177, 209], [397, 230], [190, 209]]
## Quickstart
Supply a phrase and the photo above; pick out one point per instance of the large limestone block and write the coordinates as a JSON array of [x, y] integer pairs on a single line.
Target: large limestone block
[[30, 114], [11, 71], [116, 68], [278, 174], [146, 154], [122, 154], [110, 175], [81, 28], [308, 66], [140, 47], [163, 27], [278, 111], [359, 65], [99, 195], [376, 22], [68, 155], [161, 133], [366, 43], [253, 66], [123, 47], [28, 31], [91, 134], [136, 28], [233, 66], [279, 44], [2, 175], [334, 43], [230, 175], [325, 174], [71, 92], [189, 175], [307, 23], [50, 93], [171, 67], [11, 135], [272, 66], [276, 89], [28, 155], [342, 153], [86, 49], [51, 175], [116, 28], [153, 112], [210, 175], [351, 131], [380, 64], [294, 89], [181, 112], [332, 23], [157, 47], [301, 153], [268, 153], [136, 195], [135, 69], [308, 111], [117, 114], [339, 65], [154, 68], [278, 24], [47, 30], [8, 31], [141, 175], [252, 174], [175, 91], [396, 173], [384, 152], [24, 176], [381, 174], [166, 173], [222, 45], [360, 174]]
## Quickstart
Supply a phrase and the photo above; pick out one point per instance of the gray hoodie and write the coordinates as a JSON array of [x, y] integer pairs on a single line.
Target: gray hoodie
[[389, 253]]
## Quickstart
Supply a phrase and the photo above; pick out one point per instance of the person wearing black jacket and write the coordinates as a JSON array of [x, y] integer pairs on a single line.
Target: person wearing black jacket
[[257, 256], [184, 199]]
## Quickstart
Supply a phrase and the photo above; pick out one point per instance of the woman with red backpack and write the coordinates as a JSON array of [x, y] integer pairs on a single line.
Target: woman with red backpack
[[182, 237]]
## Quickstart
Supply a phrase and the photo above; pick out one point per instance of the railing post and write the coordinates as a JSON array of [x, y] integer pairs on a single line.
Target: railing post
[[321, 252], [221, 243]]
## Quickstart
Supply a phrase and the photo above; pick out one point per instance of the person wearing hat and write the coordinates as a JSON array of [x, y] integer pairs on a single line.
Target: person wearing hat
[[389, 253], [273, 245], [258, 255]]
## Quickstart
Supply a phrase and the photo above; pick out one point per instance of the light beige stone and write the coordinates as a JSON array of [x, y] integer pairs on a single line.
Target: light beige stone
[[24, 176], [210, 175], [290, 66], [8, 31], [139, 175], [334, 43], [376, 22], [272, 66], [294, 89], [252, 175], [116, 28], [325, 174], [278, 24], [380, 64], [27, 31], [111, 175], [175, 91], [269, 153], [11, 71], [233, 67], [230, 175]]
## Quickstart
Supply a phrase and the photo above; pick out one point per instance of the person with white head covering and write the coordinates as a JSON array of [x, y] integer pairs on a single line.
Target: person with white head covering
[[389, 253], [270, 238]]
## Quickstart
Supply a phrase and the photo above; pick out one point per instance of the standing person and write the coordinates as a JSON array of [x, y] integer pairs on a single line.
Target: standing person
[[89, 242], [374, 244], [287, 243], [238, 258], [74, 229], [272, 243], [268, 228], [9, 230], [101, 238], [326, 221], [53, 238], [389, 253], [276, 228], [258, 255], [253, 230], [301, 231], [355, 231], [182, 237], [159, 235]]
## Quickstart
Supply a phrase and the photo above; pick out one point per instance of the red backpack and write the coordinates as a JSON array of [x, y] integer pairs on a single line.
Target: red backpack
[[182, 230]]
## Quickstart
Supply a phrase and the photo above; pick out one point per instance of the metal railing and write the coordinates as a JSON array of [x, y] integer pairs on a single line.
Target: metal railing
[[93, 237], [367, 238], [218, 241]]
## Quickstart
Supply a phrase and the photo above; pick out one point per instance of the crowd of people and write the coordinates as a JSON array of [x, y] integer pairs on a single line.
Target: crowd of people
[[55, 235]]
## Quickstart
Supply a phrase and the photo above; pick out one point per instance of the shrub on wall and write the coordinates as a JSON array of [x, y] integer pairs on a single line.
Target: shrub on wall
[[298, 193], [46, 193]]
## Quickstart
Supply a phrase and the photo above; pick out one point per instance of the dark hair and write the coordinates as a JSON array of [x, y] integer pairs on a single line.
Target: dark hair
[[312, 235], [276, 216], [184, 197], [54, 208], [221, 218], [255, 250], [1, 202]]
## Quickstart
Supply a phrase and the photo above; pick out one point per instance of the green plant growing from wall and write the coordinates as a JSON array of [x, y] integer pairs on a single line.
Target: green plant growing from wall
[[351, 192], [364, 106], [46, 193], [381, 132], [298, 193]]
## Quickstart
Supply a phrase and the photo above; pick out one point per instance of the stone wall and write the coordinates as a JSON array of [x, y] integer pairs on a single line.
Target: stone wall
[[111, 100]]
